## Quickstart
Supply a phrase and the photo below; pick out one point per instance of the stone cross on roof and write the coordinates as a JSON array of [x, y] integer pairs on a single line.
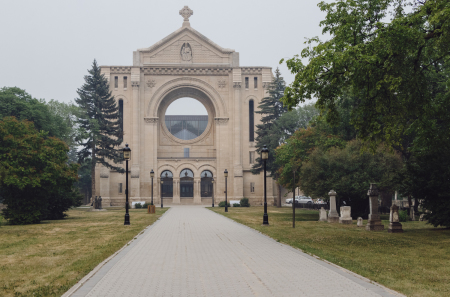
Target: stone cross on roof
[[186, 12]]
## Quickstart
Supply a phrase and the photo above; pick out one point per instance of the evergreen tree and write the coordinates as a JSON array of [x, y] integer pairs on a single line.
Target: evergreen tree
[[271, 110], [99, 117]]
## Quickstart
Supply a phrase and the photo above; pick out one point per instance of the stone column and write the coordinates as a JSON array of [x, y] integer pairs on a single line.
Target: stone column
[[135, 132], [374, 221], [394, 222], [238, 174], [176, 190], [197, 197], [333, 216]]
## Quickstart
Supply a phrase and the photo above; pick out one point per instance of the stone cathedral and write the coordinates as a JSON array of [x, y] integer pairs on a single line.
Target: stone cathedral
[[187, 152]]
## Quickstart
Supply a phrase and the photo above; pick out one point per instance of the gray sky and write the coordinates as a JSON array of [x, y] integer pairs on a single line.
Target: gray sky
[[48, 45]]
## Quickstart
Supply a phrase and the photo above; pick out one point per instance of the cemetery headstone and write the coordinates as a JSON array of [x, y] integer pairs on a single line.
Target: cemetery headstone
[[421, 218], [394, 222], [374, 221], [360, 222], [333, 216], [346, 217], [323, 217]]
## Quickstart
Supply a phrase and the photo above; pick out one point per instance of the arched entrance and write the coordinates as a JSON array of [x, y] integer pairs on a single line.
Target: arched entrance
[[206, 184], [186, 183], [167, 186]]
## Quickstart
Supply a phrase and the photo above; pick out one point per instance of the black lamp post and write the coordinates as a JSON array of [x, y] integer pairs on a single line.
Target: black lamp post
[[212, 183], [225, 173], [265, 156], [162, 182], [126, 156], [152, 175]]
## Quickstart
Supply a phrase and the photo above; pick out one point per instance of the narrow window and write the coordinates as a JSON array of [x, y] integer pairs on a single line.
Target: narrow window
[[252, 187], [125, 82], [246, 82], [252, 157], [120, 188], [121, 114], [256, 82], [186, 152], [116, 82], [251, 121]]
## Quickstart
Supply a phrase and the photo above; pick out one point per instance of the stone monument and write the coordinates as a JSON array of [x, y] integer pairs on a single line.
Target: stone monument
[[333, 216], [360, 222], [374, 221], [412, 214], [394, 222], [346, 217], [323, 217]]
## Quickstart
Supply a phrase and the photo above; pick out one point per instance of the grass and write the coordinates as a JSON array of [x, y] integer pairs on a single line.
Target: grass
[[49, 258], [415, 263]]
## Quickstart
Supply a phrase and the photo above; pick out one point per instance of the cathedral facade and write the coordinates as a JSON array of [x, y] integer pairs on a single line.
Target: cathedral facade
[[187, 153]]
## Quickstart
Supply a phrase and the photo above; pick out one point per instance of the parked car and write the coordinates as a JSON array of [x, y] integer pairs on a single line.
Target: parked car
[[319, 201], [304, 199], [289, 200]]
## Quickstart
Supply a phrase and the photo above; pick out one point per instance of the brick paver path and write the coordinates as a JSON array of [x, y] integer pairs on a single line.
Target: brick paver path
[[193, 251]]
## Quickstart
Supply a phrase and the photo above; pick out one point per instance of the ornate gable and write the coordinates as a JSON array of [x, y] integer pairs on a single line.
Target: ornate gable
[[185, 46]]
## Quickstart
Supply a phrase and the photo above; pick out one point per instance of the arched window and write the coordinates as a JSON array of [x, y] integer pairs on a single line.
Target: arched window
[[206, 184], [251, 120], [186, 183], [121, 114], [167, 186]]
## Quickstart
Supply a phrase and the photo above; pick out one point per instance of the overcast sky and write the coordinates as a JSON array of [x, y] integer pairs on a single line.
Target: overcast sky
[[47, 46]]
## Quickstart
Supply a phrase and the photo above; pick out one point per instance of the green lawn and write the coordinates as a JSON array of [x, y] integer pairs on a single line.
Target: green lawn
[[47, 259], [415, 263]]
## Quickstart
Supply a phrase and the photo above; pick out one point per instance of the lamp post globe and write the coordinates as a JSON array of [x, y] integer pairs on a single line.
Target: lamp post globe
[[264, 157], [225, 173], [127, 157], [152, 175]]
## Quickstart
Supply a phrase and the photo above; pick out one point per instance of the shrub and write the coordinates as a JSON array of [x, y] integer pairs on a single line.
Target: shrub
[[403, 215], [244, 202], [145, 205], [236, 205], [138, 205], [222, 204]]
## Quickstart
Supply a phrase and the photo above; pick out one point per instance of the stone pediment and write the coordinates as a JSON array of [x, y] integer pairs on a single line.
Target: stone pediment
[[185, 46]]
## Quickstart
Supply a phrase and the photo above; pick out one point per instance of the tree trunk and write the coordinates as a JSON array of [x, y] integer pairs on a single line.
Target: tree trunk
[[279, 195], [416, 205], [409, 205]]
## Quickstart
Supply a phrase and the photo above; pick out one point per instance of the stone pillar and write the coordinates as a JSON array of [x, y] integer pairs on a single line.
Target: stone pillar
[[136, 135], [374, 221], [197, 197], [105, 186], [394, 222], [333, 216], [238, 182], [176, 191]]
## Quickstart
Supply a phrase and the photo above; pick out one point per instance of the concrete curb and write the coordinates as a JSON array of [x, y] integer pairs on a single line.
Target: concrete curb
[[85, 279]]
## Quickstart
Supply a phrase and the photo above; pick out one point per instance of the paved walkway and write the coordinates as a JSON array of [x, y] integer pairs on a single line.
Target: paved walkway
[[192, 251]]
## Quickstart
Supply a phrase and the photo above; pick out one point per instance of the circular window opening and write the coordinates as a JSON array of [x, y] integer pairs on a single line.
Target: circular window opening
[[186, 118]]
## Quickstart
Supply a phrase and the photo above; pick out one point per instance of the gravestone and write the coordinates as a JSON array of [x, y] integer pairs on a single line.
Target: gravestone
[[323, 217], [333, 216], [374, 221], [421, 218], [346, 216], [394, 222], [412, 214], [360, 222]]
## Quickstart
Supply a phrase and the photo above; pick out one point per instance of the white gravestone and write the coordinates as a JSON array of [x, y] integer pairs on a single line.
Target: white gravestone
[[394, 221], [346, 215], [323, 217], [360, 222]]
